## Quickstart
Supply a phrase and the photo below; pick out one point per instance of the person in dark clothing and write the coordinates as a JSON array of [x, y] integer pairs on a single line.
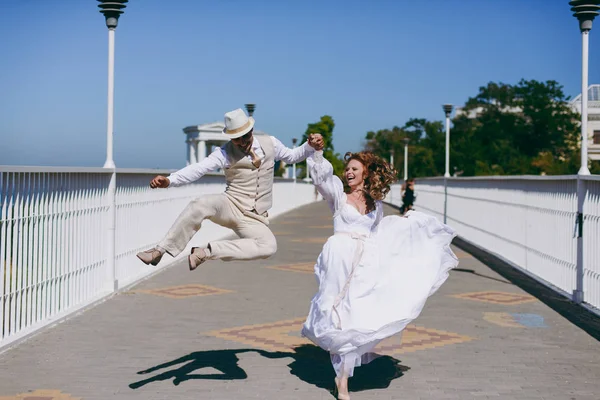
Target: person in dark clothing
[[408, 195]]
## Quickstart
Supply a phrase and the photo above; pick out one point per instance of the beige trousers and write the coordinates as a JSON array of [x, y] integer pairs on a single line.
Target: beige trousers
[[256, 239]]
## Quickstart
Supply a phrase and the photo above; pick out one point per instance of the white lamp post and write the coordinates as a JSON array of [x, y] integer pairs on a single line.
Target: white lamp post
[[111, 10], [585, 11], [406, 140], [307, 177], [448, 110], [294, 141]]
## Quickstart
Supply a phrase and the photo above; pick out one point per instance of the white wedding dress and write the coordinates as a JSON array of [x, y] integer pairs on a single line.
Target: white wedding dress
[[374, 273]]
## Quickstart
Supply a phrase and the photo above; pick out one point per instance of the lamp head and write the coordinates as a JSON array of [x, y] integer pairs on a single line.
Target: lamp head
[[112, 10], [250, 108], [585, 11], [448, 109]]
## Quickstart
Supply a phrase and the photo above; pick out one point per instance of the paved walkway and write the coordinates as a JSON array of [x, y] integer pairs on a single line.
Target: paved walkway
[[229, 330]]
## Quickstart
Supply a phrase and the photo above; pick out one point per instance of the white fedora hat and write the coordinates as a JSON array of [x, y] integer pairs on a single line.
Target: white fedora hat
[[237, 124]]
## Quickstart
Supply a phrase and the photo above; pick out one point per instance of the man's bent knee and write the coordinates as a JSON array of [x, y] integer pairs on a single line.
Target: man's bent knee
[[268, 248]]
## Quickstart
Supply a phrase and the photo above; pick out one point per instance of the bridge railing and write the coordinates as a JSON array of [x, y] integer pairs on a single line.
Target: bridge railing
[[54, 236], [529, 221]]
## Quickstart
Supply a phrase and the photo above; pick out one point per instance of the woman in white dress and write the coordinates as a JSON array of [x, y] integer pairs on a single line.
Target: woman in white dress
[[374, 273]]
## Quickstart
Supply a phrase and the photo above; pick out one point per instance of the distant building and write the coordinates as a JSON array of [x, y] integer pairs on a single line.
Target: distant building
[[476, 112], [203, 139], [593, 119]]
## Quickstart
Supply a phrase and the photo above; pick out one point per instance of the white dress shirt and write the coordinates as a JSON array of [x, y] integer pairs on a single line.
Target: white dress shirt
[[217, 159]]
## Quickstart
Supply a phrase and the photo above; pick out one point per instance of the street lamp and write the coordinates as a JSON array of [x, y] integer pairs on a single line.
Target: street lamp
[[112, 10], [585, 11], [250, 108], [294, 141], [448, 110], [406, 141]]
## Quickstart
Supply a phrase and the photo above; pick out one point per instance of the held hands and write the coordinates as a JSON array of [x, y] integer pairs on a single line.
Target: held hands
[[316, 141], [160, 181]]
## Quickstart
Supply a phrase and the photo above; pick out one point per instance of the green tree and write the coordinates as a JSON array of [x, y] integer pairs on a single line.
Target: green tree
[[527, 128], [425, 155]]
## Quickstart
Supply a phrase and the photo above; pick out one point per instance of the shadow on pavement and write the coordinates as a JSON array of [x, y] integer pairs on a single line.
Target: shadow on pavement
[[225, 361], [472, 271], [310, 363], [313, 365]]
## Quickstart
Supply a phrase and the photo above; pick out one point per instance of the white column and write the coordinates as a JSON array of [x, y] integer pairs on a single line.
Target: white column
[[191, 151], [188, 152], [584, 170], [201, 150]]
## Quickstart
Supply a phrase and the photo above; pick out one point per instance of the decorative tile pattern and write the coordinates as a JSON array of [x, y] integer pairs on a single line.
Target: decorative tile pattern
[[42, 394], [515, 320], [306, 268], [415, 338], [283, 336], [183, 291], [501, 319], [530, 320], [497, 297]]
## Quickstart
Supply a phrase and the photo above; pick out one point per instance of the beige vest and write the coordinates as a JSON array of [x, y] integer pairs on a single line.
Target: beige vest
[[248, 187]]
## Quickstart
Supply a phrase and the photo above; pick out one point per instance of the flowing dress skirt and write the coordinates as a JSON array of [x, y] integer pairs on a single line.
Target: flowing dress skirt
[[372, 288]]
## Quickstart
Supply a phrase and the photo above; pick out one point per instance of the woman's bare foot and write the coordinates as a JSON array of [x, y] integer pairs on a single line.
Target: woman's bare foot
[[342, 388]]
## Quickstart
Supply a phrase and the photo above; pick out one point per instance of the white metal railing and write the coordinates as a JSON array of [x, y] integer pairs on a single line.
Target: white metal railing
[[54, 235], [591, 241], [530, 221]]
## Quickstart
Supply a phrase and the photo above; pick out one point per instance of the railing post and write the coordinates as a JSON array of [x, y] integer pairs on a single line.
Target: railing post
[[113, 282], [445, 199], [581, 194]]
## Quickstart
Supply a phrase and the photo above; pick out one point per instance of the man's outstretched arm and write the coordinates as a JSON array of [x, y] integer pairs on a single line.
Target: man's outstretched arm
[[192, 172], [300, 153]]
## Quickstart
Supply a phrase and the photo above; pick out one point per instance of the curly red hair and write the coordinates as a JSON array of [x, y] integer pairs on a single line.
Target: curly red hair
[[378, 176]]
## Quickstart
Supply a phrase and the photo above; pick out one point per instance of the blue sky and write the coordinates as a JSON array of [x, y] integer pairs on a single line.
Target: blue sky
[[369, 64]]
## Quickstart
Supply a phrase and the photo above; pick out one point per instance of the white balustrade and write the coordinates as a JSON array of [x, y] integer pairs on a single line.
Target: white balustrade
[[591, 241], [53, 236], [529, 221]]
